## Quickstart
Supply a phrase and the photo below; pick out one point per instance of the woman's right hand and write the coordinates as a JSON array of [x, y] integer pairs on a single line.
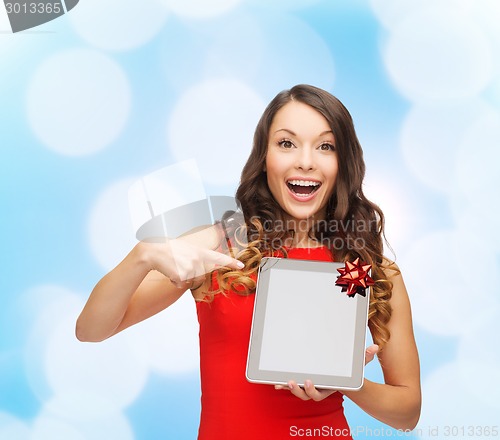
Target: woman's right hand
[[186, 261]]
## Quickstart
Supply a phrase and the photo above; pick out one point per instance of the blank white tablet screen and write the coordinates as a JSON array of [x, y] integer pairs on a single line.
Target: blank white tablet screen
[[300, 332]]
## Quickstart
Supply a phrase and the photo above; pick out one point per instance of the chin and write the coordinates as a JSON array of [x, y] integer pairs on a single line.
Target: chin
[[303, 215]]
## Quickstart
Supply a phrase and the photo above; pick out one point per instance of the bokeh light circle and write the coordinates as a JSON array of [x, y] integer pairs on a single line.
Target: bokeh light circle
[[235, 49], [53, 428], [58, 364], [441, 391], [430, 136], [475, 354], [478, 158], [398, 208], [486, 13], [392, 12], [448, 289], [438, 54], [296, 54], [110, 368], [13, 428], [78, 101], [168, 342], [118, 24], [97, 421], [284, 5], [47, 305], [477, 218], [111, 234], [200, 9], [213, 122]]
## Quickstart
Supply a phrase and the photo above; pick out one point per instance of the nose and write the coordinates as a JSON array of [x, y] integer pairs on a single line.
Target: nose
[[305, 159]]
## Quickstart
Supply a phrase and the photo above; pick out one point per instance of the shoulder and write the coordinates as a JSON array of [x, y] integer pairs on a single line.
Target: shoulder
[[390, 269], [399, 295]]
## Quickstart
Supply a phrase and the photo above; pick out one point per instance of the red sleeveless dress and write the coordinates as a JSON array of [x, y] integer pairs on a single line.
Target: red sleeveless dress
[[235, 409]]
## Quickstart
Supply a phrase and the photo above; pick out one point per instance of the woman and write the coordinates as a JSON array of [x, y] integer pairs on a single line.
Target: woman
[[301, 197]]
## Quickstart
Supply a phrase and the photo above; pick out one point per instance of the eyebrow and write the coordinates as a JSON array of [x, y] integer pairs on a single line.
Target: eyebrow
[[294, 134]]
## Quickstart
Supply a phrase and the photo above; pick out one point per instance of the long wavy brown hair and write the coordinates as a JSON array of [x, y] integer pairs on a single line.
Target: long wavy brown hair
[[354, 226]]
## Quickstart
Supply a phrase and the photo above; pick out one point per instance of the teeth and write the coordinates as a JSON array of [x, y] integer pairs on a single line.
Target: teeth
[[301, 195], [303, 182]]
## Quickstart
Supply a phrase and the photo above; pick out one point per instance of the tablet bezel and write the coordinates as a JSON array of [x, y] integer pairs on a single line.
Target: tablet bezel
[[359, 327]]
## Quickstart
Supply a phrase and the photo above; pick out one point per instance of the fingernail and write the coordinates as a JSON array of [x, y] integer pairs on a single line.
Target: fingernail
[[307, 383], [240, 264], [290, 385]]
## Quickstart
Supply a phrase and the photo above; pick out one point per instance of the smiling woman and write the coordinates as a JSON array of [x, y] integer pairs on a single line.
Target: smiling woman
[[303, 178]]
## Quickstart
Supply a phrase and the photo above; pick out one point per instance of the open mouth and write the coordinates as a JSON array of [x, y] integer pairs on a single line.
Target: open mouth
[[303, 188]]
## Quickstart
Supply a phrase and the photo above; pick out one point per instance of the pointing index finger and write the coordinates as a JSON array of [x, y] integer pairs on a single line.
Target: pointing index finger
[[225, 260]]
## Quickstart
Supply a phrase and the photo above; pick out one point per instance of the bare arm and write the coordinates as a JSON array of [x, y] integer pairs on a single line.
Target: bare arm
[[397, 402], [149, 279]]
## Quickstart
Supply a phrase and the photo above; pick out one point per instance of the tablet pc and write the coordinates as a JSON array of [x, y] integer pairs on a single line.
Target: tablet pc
[[305, 327]]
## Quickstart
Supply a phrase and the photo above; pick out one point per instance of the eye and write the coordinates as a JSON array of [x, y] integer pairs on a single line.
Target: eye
[[327, 147], [285, 143]]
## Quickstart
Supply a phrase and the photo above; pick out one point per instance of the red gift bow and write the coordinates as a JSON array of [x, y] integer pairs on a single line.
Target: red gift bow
[[354, 277]]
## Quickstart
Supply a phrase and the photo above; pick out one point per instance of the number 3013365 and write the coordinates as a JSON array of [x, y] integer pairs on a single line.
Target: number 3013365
[[27, 14], [34, 8]]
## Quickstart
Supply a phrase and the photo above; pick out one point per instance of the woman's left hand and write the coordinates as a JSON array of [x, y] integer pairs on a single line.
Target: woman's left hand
[[309, 391]]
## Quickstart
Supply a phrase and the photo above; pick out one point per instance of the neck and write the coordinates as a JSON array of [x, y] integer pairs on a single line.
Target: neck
[[304, 242], [301, 232]]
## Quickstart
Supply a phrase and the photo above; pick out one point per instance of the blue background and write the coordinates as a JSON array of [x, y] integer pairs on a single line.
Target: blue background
[[108, 93]]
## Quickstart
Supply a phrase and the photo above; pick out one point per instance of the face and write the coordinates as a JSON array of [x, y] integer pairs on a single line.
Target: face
[[301, 161]]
